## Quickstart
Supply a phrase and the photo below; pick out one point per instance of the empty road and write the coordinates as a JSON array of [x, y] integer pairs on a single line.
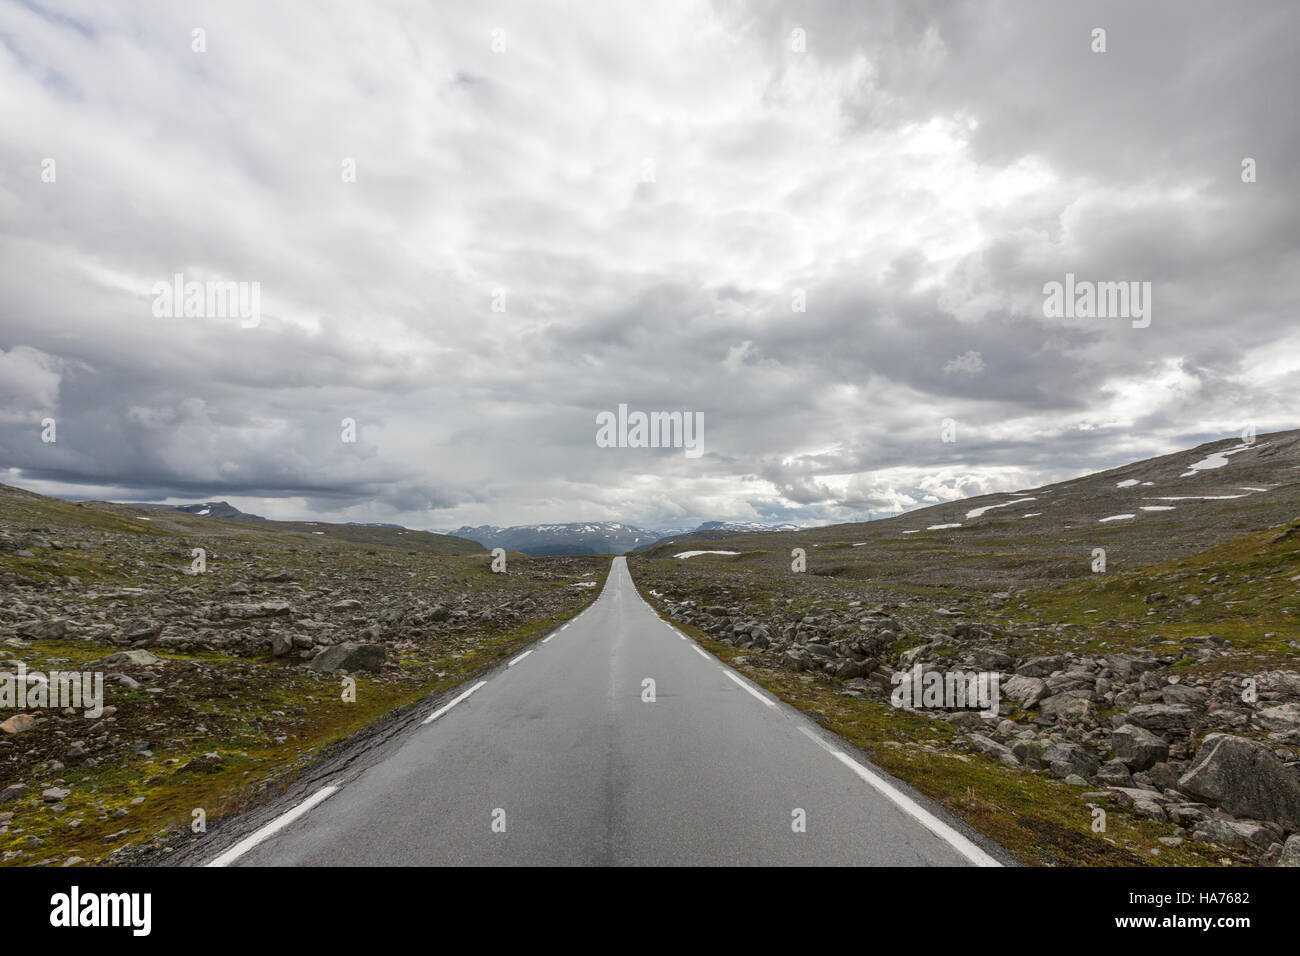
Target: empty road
[[558, 758]]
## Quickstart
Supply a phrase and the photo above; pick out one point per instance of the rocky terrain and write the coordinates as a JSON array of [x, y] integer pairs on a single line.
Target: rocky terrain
[[223, 681], [1162, 690]]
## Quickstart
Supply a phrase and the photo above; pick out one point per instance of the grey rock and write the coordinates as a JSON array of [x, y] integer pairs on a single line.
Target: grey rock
[[1138, 747], [1025, 691], [1245, 779], [1072, 705], [136, 658], [1162, 718], [1280, 719], [1067, 758], [350, 656], [1290, 851], [1041, 666], [1238, 834], [1114, 774]]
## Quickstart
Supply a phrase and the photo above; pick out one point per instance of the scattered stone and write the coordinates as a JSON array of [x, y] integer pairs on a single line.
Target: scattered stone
[[350, 656]]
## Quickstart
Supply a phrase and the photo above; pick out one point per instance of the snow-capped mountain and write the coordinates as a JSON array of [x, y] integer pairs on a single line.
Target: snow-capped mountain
[[589, 537], [740, 526], [577, 537]]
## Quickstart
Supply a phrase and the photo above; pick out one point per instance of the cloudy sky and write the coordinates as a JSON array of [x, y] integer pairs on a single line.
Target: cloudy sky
[[558, 208]]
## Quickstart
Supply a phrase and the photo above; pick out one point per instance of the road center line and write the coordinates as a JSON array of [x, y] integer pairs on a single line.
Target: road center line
[[743, 684], [519, 658], [961, 844], [279, 823], [446, 707]]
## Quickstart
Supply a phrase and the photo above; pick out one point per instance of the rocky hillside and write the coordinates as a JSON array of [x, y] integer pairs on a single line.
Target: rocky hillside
[[1142, 513], [1162, 688], [222, 682], [219, 518]]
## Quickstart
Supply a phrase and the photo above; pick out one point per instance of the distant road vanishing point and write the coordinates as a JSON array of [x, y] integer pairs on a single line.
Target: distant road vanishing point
[[560, 758]]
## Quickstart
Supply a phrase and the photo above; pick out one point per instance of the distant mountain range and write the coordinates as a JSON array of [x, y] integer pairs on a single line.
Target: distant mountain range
[[591, 537], [577, 537], [205, 509], [538, 540]]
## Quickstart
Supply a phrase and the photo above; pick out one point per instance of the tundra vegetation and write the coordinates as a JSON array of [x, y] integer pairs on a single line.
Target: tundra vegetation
[[224, 687], [1150, 711]]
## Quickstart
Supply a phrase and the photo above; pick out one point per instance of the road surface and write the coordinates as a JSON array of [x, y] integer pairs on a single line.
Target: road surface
[[559, 758]]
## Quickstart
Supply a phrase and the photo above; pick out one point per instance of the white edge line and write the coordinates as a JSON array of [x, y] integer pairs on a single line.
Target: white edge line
[[545, 639], [961, 844], [519, 658], [745, 685], [698, 651], [279, 823], [448, 706]]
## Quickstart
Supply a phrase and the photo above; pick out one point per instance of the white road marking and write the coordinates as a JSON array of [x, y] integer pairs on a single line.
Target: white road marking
[[909, 806], [279, 823], [566, 627], [546, 639], [700, 652], [446, 707], [743, 684], [519, 658]]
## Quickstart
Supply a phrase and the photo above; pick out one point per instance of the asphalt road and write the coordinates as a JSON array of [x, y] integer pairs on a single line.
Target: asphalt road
[[558, 759]]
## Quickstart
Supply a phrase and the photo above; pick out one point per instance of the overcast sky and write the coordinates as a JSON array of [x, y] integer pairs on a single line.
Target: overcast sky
[[649, 185]]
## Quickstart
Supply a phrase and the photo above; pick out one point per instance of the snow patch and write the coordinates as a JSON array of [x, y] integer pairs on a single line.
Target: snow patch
[[691, 554], [1157, 507], [1194, 497], [1117, 517], [1126, 483], [1218, 459], [976, 512]]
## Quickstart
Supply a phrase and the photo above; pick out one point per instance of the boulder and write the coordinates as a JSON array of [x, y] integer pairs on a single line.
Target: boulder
[[1066, 758], [1137, 747], [1041, 666], [851, 669], [1238, 834], [1280, 719], [350, 656], [1115, 774], [1162, 718], [1025, 691], [136, 658], [12, 792], [1072, 705], [18, 723], [1290, 852], [262, 609], [1245, 779]]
